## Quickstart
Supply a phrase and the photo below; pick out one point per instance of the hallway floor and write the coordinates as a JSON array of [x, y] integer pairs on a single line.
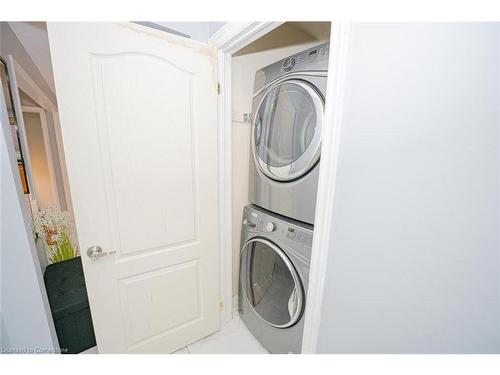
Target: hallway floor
[[233, 338]]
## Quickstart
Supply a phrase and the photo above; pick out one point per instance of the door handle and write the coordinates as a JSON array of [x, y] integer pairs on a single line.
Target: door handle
[[249, 224], [95, 252]]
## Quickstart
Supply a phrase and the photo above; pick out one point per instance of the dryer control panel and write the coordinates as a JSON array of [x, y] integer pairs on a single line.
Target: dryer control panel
[[307, 59], [312, 61]]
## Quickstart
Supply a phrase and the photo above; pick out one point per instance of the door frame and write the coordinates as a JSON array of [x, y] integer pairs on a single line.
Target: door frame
[[26, 84], [325, 202], [232, 37], [16, 103], [48, 153]]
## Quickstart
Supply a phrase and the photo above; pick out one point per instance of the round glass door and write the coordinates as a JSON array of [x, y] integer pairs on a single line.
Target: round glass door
[[287, 130], [271, 283]]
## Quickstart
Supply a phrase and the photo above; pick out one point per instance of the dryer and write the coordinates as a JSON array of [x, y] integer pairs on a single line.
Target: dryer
[[274, 275], [288, 108]]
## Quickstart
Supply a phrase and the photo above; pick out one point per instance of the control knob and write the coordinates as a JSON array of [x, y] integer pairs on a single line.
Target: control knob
[[288, 64], [270, 227]]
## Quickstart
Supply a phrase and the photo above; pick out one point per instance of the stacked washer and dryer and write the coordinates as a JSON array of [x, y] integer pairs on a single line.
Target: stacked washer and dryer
[[277, 228]]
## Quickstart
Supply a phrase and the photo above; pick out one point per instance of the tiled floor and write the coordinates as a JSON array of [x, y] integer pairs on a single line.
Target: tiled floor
[[92, 350], [233, 338]]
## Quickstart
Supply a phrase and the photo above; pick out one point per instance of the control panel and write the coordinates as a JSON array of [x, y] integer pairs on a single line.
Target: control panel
[[314, 59], [276, 227], [306, 59], [299, 236]]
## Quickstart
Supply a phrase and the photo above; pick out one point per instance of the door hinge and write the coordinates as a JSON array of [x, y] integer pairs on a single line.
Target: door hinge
[[218, 88], [221, 306]]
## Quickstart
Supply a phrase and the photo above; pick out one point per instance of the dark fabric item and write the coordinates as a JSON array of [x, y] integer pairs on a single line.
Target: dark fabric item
[[75, 332], [65, 285]]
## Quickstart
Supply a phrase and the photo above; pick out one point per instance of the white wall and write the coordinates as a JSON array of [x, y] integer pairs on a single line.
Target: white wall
[[34, 39], [414, 266], [278, 44], [25, 317], [11, 45]]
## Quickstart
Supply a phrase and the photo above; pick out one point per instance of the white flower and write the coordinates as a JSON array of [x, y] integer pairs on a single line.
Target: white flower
[[50, 223]]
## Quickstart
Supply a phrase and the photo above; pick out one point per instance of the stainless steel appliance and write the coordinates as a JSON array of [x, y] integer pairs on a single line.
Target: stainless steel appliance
[[274, 274], [288, 107]]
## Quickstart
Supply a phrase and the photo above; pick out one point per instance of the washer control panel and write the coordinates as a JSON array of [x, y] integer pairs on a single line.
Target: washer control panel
[[279, 228], [299, 236], [270, 227]]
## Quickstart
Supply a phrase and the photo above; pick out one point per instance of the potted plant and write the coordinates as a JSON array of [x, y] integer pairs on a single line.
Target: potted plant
[[53, 227]]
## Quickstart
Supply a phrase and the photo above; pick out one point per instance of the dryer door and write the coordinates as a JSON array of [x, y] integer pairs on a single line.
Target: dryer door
[[286, 139], [271, 283]]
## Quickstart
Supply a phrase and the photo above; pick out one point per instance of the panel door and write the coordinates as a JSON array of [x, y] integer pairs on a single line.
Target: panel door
[[138, 117]]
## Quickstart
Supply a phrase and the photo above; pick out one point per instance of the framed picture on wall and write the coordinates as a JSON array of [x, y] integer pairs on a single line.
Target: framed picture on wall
[[24, 181]]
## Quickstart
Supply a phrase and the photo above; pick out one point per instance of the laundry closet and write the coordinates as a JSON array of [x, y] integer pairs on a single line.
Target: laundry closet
[[149, 218], [278, 93]]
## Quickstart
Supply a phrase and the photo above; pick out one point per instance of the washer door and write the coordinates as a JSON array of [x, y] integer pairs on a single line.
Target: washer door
[[286, 137], [271, 283]]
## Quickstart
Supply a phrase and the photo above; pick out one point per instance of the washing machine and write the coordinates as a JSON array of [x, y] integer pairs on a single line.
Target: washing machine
[[274, 275], [288, 119]]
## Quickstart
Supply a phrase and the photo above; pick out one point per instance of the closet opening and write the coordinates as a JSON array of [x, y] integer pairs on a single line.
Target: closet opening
[[277, 102]]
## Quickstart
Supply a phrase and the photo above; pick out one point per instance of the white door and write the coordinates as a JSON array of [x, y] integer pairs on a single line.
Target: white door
[[139, 123]]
